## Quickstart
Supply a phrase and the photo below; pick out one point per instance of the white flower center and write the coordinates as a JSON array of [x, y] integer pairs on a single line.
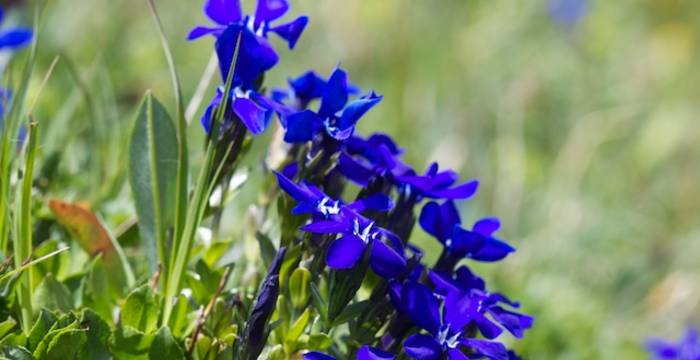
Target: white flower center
[[329, 207], [443, 339], [365, 233]]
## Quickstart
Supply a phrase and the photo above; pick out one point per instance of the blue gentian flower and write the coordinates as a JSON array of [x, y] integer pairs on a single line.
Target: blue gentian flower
[[445, 329], [466, 284], [336, 117], [14, 38], [437, 184], [303, 89], [365, 353], [688, 348], [376, 156], [310, 199], [256, 53], [253, 109], [567, 12], [443, 222], [256, 330]]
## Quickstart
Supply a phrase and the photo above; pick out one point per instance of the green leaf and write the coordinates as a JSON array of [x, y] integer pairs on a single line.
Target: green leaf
[[299, 287], [7, 326], [98, 333], [41, 327], [52, 295], [129, 343], [351, 312], [319, 302], [165, 346], [140, 310], [296, 330], [66, 345], [344, 285], [153, 161], [319, 341], [47, 343], [95, 290], [267, 248]]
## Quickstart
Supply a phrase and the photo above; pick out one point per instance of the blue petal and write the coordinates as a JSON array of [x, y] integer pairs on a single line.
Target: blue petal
[[492, 250], [376, 202], [256, 55], [443, 283], [487, 226], [336, 94], [206, 119], [515, 323], [355, 109], [491, 349], [460, 309], [308, 86], [345, 252], [301, 126], [463, 191], [465, 242], [422, 305], [200, 31], [326, 227], [370, 353], [456, 354], [15, 38], [291, 31], [269, 10], [253, 116], [487, 327], [315, 355], [422, 347], [297, 192], [354, 170], [223, 12], [439, 220], [385, 261]]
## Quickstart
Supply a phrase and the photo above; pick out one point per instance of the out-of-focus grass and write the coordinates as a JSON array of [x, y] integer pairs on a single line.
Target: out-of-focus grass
[[585, 138]]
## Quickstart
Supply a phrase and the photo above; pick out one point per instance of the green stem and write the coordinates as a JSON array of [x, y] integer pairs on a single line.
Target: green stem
[[23, 240]]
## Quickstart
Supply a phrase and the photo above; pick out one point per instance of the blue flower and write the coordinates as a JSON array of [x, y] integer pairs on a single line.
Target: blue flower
[[466, 284], [445, 329], [567, 12], [437, 184], [310, 199], [256, 54], [365, 353], [443, 222], [253, 109], [14, 38], [377, 156], [688, 348], [336, 117], [303, 89]]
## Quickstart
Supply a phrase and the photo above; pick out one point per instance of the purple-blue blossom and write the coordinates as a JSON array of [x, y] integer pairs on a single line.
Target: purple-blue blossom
[[365, 353], [336, 116], [443, 222], [688, 348]]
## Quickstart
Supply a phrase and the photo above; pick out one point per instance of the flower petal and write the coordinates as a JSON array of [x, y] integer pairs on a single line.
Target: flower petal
[[463, 191], [345, 252], [223, 12], [422, 347], [492, 250], [315, 355], [376, 202], [370, 353], [456, 354], [308, 86], [269, 10], [291, 31], [326, 227], [385, 261], [253, 116], [301, 126], [297, 192], [15, 38], [353, 170], [491, 349], [422, 305], [256, 55], [336, 95], [200, 31], [515, 323], [487, 226], [355, 109]]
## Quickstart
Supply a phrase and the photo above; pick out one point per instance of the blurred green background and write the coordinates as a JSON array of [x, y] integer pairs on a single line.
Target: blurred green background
[[584, 135]]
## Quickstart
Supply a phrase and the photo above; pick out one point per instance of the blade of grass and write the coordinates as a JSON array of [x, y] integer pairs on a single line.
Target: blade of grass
[[181, 129], [28, 264], [23, 240], [181, 252]]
